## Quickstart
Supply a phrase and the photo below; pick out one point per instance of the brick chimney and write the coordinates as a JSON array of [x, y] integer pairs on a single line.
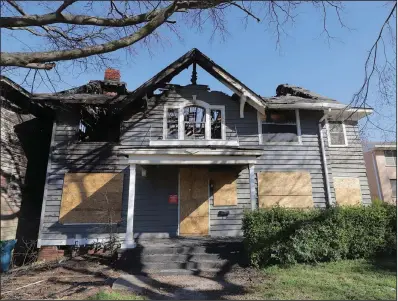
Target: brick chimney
[[112, 74]]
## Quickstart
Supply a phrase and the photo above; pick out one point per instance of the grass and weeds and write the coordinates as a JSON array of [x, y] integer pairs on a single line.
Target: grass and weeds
[[112, 295], [344, 280]]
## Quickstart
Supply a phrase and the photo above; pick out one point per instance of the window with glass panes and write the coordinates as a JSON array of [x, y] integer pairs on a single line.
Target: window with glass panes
[[337, 133]]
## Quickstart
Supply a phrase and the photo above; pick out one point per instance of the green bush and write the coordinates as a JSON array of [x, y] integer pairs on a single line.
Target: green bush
[[281, 235]]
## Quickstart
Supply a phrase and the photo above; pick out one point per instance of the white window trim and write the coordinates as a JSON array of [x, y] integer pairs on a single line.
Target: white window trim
[[344, 132], [181, 141], [260, 131]]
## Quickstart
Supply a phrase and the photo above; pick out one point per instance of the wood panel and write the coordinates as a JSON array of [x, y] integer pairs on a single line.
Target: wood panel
[[285, 183], [194, 202], [224, 188], [297, 201], [347, 191], [292, 189], [91, 198]]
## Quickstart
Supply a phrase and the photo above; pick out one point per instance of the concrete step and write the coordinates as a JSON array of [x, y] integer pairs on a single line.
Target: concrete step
[[177, 272], [194, 249], [179, 257], [170, 265]]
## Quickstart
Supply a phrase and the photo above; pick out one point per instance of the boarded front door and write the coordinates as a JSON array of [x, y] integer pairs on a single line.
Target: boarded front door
[[194, 201]]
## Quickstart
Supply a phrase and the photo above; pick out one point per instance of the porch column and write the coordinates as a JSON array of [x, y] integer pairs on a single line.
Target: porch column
[[252, 179], [129, 239]]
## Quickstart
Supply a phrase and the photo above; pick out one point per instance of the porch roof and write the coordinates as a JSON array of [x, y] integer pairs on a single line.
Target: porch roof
[[192, 156]]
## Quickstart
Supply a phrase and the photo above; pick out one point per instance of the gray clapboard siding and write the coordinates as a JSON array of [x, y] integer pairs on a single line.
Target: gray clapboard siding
[[70, 156], [153, 215], [231, 225], [347, 161], [296, 157], [152, 212]]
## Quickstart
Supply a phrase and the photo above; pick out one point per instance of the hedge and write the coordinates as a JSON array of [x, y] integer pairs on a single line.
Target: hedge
[[281, 235]]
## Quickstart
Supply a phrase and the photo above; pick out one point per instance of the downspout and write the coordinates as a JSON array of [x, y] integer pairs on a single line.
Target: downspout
[[324, 161], [377, 175]]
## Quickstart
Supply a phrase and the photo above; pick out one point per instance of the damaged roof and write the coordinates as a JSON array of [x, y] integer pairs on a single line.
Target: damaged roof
[[96, 92]]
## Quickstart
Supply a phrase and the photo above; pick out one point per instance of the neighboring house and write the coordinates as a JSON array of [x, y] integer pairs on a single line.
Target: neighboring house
[[25, 140], [168, 160], [381, 168]]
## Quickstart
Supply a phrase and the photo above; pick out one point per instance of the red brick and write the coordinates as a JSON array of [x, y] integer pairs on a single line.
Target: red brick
[[112, 74], [50, 253]]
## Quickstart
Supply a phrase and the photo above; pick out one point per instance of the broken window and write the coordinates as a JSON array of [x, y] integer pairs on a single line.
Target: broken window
[[336, 134], [215, 124], [194, 123], [280, 126], [172, 124], [105, 130]]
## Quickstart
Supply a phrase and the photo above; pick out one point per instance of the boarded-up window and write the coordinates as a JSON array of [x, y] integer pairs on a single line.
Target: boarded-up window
[[347, 191], [91, 198], [285, 189], [224, 188]]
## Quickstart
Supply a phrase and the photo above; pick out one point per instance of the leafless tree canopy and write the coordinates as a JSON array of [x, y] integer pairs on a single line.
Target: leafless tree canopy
[[107, 26], [87, 32]]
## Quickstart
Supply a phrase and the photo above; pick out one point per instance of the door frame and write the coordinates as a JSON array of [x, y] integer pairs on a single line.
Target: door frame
[[179, 201]]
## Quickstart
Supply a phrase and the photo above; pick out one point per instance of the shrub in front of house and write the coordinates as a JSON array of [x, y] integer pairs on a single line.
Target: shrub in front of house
[[282, 235]]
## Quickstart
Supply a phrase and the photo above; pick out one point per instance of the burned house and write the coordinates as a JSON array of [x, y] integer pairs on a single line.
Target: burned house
[[168, 160]]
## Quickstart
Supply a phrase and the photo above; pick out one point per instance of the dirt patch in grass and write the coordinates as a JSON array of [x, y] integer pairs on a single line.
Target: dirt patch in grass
[[77, 278]]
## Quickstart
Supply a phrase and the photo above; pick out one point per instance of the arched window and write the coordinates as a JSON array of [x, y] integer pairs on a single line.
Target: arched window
[[194, 123], [195, 120]]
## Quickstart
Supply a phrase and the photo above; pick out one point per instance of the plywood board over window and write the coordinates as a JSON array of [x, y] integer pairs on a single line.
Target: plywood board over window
[[286, 189], [194, 201], [224, 188], [91, 198], [347, 191]]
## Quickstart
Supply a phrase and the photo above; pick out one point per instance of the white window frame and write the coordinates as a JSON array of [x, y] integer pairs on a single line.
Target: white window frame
[[384, 153], [208, 140], [344, 133], [260, 130]]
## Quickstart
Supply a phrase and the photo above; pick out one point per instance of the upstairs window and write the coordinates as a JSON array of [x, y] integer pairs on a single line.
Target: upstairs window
[[337, 134], [391, 157], [280, 126], [172, 124], [194, 123], [107, 130], [216, 124]]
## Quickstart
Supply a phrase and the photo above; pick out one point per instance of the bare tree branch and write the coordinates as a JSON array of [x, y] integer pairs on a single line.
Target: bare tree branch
[[64, 6], [23, 59]]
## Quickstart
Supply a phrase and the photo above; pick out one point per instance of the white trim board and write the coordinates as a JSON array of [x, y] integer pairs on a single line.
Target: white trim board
[[193, 142], [189, 159], [328, 135], [129, 238]]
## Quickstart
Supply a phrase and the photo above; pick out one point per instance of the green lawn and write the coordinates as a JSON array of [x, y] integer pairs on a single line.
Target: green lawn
[[345, 280], [116, 296]]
